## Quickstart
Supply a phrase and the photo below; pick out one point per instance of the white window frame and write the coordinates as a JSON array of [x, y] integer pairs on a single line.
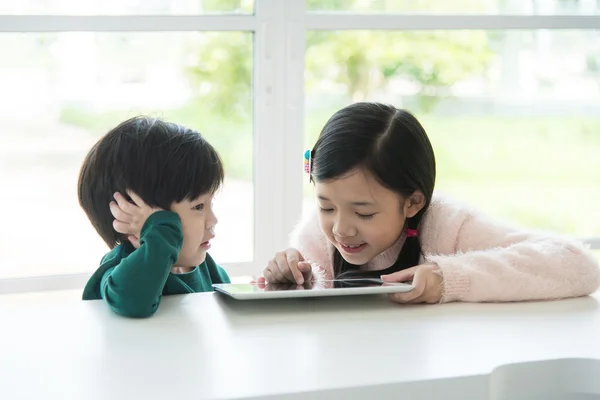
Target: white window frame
[[279, 29]]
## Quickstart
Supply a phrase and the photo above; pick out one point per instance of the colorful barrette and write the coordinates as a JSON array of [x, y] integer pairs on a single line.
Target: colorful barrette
[[307, 161]]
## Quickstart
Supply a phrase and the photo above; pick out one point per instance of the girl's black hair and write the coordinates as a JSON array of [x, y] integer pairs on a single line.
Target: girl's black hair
[[390, 144], [160, 161]]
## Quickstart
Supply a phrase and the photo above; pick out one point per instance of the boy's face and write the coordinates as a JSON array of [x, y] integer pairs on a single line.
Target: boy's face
[[197, 222]]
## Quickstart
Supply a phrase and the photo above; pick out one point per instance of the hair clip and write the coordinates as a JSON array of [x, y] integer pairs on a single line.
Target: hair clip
[[411, 232], [307, 161]]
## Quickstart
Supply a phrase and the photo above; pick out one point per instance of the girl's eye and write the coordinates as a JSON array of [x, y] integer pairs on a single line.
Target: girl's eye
[[326, 210], [365, 216], [199, 207]]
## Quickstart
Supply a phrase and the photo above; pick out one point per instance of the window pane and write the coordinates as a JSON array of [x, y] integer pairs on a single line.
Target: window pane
[[513, 115], [62, 92], [126, 7], [537, 7]]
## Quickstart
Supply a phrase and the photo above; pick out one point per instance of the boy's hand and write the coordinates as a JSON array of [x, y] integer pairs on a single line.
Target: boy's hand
[[287, 266], [130, 217], [427, 280]]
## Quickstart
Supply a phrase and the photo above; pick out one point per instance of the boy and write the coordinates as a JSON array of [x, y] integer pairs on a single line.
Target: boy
[[147, 188]]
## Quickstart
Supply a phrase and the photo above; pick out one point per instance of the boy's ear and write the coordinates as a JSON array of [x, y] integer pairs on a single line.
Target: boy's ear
[[413, 204]]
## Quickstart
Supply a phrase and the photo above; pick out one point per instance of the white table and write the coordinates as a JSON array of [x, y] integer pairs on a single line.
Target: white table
[[204, 346]]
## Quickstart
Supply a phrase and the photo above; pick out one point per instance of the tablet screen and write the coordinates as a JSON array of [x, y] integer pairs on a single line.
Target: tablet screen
[[331, 284]]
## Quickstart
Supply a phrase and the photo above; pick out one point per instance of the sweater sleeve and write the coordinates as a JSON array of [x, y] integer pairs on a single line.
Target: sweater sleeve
[[494, 262], [310, 241], [133, 288]]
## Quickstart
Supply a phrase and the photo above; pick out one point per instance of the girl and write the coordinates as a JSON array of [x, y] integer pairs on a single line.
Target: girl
[[374, 173]]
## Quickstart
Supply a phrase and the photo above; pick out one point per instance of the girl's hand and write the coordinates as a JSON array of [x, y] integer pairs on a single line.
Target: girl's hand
[[426, 279], [287, 266], [130, 217]]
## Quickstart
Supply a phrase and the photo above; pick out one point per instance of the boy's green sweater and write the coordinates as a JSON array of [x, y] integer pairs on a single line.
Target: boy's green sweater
[[133, 281]]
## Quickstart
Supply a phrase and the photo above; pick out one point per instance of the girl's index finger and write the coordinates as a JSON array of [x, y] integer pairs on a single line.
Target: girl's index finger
[[293, 261]]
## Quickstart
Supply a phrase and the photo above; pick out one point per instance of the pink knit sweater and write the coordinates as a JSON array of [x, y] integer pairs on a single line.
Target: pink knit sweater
[[481, 260]]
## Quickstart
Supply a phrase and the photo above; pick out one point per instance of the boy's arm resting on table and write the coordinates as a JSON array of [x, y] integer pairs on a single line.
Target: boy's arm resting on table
[[133, 288], [494, 262]]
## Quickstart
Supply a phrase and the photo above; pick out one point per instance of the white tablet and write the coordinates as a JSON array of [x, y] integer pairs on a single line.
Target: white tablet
[[339, 287]]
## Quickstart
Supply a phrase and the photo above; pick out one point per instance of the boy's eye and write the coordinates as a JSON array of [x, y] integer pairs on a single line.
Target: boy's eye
[[365, 216], [199, 207], [326, 210]]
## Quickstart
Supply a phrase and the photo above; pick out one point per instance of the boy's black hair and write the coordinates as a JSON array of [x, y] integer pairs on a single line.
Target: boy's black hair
[[160, 161], [392, 145]]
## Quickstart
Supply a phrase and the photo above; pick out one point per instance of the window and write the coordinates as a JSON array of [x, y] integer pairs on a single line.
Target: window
[[126, 7], [497, 84], [73, 69], [512, 115], [63, 91], [512, 7]]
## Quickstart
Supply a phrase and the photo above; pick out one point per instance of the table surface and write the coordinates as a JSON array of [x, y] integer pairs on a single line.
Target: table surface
[[200, 346]]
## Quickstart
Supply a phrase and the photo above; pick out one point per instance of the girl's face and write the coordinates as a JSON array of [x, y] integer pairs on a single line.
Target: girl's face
[[362, 218]]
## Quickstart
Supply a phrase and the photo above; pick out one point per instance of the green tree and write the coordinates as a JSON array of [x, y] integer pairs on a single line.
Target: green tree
[[221, 72], [220, 66], [363, 62], [366, 61]]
